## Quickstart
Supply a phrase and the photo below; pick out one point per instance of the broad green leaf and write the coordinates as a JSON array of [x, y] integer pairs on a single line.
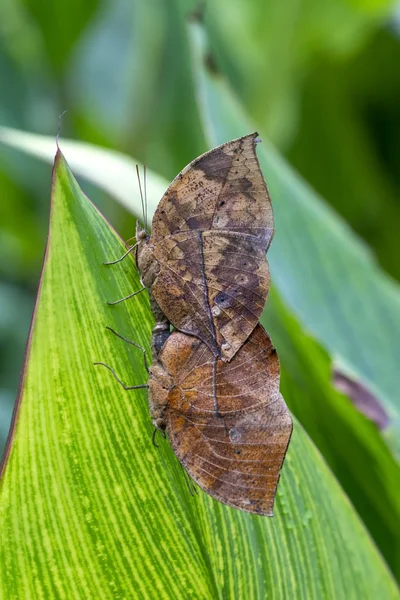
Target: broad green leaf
[[323, 271], [89, 508], [350, 443]]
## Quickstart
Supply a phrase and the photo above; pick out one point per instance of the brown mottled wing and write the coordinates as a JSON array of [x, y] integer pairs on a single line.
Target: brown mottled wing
[[214, 286], [223, 189], [210, 234], [235, 455]]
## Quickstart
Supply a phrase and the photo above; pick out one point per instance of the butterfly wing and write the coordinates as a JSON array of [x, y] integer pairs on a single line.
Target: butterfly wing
[[235, 454], [214, 286], [223, 189], [210, 234]]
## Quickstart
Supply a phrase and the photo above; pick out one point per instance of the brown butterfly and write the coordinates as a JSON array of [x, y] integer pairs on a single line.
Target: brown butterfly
[[234, 454], [205, 262]]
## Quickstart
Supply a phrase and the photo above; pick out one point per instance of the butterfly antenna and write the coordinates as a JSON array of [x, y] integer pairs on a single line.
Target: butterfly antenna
[[145, 192], [141, 194]]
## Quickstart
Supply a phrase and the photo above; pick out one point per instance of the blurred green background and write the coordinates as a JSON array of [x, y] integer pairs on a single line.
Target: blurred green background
[[320, 79]]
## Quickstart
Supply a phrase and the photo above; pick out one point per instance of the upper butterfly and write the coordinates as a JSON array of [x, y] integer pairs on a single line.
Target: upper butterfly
[[205, 262]]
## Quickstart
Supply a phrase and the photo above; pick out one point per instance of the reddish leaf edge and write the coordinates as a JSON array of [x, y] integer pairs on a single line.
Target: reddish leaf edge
[[10, 437]]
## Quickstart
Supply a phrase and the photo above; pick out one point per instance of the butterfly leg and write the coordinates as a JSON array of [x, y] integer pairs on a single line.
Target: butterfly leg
[[114, 262], [126, 297], [146, 364], [153, 437], [126, 387]]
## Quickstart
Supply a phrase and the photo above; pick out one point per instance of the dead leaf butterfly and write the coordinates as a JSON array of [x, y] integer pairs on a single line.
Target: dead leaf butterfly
[[205, 262], [234, 449]]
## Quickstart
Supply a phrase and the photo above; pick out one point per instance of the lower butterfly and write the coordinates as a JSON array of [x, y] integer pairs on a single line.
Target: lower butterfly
[[234, 449]]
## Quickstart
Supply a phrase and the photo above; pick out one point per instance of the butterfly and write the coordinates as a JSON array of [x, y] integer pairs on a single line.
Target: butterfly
[[205, 261], [234, 455]]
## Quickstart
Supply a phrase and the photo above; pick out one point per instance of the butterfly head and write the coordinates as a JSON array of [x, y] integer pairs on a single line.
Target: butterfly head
[[141, 233], [148, 266]]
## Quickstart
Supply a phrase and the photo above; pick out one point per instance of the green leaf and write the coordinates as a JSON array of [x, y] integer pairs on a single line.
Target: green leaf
[[89, 508], [323, 271], [351, 444]]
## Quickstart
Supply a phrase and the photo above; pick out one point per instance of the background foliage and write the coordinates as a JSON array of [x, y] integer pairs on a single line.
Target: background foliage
[[321, 83]]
